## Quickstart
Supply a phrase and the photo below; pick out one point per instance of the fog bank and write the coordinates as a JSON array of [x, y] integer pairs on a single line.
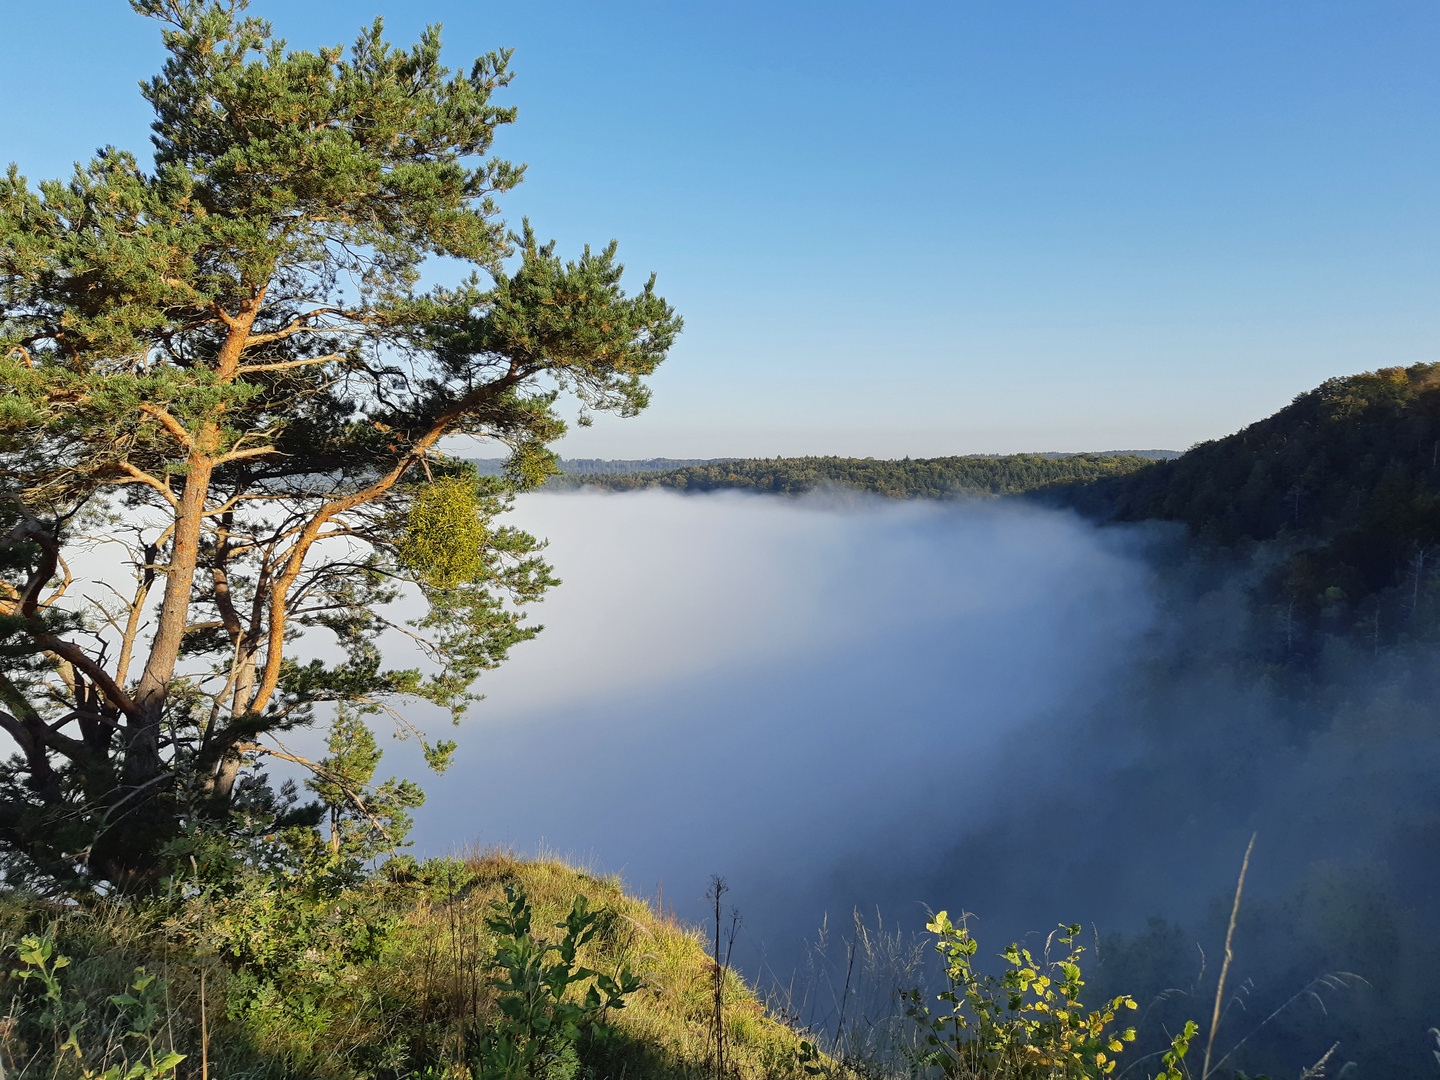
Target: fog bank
[[841, 703], [808, 697]]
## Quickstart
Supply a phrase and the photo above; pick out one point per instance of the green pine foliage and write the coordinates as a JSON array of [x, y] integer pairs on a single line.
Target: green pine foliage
[[365, 819], [220, 367]]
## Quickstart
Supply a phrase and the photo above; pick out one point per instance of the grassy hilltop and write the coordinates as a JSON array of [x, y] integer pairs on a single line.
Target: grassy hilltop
[[391, 976], [490, 968]]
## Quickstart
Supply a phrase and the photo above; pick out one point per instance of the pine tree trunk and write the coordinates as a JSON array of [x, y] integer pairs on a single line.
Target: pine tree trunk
[[142, 754]]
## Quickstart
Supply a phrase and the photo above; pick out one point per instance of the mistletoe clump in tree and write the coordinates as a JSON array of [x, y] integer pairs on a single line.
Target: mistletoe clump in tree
[[221, 372]]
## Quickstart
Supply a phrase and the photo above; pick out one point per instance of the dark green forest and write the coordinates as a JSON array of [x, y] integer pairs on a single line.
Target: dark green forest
[[1339, 491], [600, 466], [909, 478], [1355, 461]]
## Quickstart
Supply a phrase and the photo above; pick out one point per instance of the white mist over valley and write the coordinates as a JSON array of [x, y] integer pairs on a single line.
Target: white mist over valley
[[758, 687], [846, 704]]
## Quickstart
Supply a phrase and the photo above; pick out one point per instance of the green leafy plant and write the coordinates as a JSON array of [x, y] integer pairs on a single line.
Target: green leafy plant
[[63, 1018], [1028, 1022], [445, 534], [141, 1014], [538, 1026], [809, 1059], [292, 922], [142, 1009], [1179, 1047]]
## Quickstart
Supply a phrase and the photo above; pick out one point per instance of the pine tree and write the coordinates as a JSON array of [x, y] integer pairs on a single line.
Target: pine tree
[[364, 819], [223, 368]]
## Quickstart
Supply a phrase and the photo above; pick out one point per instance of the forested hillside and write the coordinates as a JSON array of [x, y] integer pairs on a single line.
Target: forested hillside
[[910, 478], [1343, 485]]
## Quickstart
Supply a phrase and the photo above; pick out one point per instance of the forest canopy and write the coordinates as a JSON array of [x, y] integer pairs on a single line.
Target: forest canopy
[[910, 478]]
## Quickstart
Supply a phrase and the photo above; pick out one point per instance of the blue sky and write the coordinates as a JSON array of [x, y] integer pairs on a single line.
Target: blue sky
[[926, 228]]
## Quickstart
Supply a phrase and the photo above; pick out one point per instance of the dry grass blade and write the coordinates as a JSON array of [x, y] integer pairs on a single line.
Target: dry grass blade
[[1225, 966], [1317, 1071]]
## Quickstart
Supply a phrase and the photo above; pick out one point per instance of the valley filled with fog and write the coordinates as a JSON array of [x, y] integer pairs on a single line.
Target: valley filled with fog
[[852, 707], [767, 689], [843, 704]]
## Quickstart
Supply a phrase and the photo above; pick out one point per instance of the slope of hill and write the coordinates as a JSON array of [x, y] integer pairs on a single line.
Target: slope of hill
[[391, 976], [1344, 481]]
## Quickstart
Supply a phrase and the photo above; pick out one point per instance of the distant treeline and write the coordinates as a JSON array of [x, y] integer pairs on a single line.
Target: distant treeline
[[1338, 494], [910, 478], [602, 466]]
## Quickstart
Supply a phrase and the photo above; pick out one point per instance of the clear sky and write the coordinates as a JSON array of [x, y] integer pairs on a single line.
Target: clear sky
[[925, 228]]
